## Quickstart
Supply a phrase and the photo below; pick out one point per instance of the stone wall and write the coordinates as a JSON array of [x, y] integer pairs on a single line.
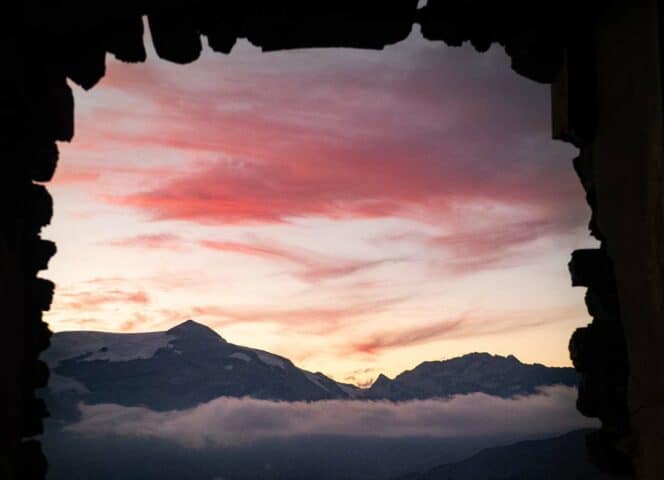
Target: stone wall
[[602, 58]]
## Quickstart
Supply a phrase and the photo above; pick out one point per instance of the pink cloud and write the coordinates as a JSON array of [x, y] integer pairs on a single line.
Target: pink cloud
[[151, 241], [405, 135], [462, 326], [500, 241], [89, 300], [407, 336], [67, 175], [315, 319], [256, 250]]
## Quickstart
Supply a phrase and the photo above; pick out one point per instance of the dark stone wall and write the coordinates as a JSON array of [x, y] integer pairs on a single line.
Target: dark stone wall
[[36, 110], [608, 101], [598, 351], [628, 174]]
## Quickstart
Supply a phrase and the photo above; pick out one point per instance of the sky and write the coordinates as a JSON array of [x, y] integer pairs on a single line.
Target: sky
[[355, 211]]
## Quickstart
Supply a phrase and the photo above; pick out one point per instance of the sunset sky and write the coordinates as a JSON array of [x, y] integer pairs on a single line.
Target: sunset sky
[[355, 211]]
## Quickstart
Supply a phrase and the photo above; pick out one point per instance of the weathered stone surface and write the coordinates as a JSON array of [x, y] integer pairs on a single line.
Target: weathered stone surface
[[39, 374], [582, 89], [580, 348], [42, 161], [584, 169], [33, 424], [602, 452], [590, 268], [41, 293], [629, 182], [38, 335], [58, 109], [574, 94], [594, 77], [223, 24], [124, 39], [527, 32], [175, 37], [85, 62], [48, 111], [33, 464], [371, 24], [39, 207], [39, 253], [535, 54], [451, 22], [583, 165], [603, 306]]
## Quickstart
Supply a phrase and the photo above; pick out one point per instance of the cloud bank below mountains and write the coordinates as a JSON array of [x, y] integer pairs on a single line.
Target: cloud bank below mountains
[[226, 421]]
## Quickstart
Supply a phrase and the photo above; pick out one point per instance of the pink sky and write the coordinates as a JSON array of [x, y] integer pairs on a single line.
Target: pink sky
[[356, 211]]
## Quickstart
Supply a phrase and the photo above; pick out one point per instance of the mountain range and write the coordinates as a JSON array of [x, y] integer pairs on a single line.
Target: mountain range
[[191, 364]]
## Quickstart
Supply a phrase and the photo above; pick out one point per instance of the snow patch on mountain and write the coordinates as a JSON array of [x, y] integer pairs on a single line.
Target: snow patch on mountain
[[240, 356], [270, 359], [350, 390], [113, 347], [314, 378]]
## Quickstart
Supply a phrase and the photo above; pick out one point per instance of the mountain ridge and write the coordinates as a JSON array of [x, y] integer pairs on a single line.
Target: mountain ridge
[[190, 364], [563, 456]]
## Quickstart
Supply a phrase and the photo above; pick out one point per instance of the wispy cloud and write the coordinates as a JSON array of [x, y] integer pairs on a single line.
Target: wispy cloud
[[493, 245], [407, 336], [492, 240], [311, 266], [256, 249], [89, 300], [151, 241], [314, 319], [66, 175], [472, 324]]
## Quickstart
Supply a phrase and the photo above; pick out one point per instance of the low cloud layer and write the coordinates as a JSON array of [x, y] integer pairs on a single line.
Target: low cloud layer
[[232, 421]]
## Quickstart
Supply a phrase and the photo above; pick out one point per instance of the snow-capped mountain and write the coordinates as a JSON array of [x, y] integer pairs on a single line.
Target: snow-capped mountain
[[475, 372], [191, 364], [179, 368]]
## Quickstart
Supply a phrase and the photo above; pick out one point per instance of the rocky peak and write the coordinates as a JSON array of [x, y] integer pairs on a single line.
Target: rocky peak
[[192, 329]]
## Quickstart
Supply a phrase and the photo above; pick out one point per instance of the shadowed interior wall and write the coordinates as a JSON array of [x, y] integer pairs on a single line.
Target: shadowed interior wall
[[605, 66], [628, 177]]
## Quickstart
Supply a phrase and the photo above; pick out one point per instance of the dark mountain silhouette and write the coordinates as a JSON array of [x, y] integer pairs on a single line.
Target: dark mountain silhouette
[[191, 364], [562, 457], [476, 372], [176, 369]]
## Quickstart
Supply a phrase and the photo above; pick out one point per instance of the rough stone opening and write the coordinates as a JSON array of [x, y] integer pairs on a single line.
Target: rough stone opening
[[46, 47]]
